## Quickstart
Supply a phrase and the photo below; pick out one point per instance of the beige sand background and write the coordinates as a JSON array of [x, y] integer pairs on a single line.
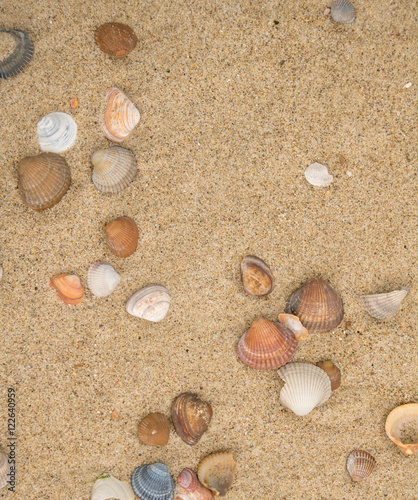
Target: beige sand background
[[236, 99]]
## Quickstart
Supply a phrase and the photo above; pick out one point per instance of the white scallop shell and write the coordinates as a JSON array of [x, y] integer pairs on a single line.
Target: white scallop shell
[[383, 305], [306, 386], [342, 11], [4, 469], [102, 279], [317, 175], [150, 303], [110, 487], [57, 132]]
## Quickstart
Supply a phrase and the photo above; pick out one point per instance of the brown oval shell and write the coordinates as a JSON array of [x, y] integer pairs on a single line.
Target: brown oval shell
[[266, 345], [402, 427], [68, 288], [333, 373], [154, 429], [122, 236], [191, 417], [216, 472], [360, 465], [116, 39], [317, 305], [43, 180], [256, 275]]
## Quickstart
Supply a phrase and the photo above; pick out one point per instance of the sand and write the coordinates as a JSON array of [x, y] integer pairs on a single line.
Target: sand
[[236, 100]]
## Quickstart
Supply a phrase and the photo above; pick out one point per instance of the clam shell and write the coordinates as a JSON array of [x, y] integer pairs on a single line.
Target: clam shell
[[266, 345], [43, 180], [216, 472], [317, 175], [116, 39], [191, 417], [102, 279], [114, 169], [21, 55], [153, 482], [360, 465], [306, 386], [150, 303], [121, 116], [110, 487], [383, 305], [57, 132], [4, 469], [402, 427], [122, 236], [154, 429], [256, 275], [68, 288], [293, 324], [333, 373], [190, 488], [342, 11], [317, 305]]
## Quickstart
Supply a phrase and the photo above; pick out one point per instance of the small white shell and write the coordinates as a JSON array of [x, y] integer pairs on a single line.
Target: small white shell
[[306, 386], [317, 175], [383, 305], [342, 11], [110, 487], [150, 303], [4, 469], [57, 132], [102, 279]]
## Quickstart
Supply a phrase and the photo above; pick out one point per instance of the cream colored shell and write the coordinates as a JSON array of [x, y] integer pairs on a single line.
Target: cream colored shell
[[102, 279], [383, 305], [110, 487], [150, 303], [121, 116]]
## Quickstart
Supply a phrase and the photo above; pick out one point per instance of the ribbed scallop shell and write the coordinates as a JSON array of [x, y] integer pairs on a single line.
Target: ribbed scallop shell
[[317, 175], [57, 132], [342, 11], [216, 472], [43, 180], [189, 487], [116, 39], [4, 469], [402, 427], [293, 324], [383, 305], [256, 275], [150, 303], [114, 169], [68, 288], [317, 305], [110, 487], [102, 279], [333, 373], [154, 429], [122, 236], [306, 386], [266, 345], [121, 116], [191, 417], [360, 465], [21, 55], [153, 482]]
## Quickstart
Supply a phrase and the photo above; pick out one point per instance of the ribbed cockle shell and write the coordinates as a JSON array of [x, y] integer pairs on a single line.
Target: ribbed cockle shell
[[333, 372], [121, 116], [343, 11], [153, 482], [293, 324], [57, 132], [150, 303], [110, 487], [190, 488], [21, 55], [114, 169], [383, 305], [360, 465], [68, 288], [402, 427], [102, 279], [216, 472], [116, 39], [122, 236], [256, 275], [154, 429], [4, 469], [191, 417]]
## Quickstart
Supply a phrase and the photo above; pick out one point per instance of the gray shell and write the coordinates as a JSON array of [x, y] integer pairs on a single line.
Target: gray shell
[[20, 57], [342, 11], [153, 482]]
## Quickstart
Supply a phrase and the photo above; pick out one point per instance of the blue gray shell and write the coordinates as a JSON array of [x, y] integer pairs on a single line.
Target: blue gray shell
[[342, 11], [153, 482], [21, 55]]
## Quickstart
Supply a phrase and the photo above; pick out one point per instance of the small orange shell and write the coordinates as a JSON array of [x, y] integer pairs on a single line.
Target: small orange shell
[[122, 236], [154, 429], [216, 472], [68, 288], [293, 324], [360, 465], [121, 116], [397, 427], [116, 39], [191, 417], [333, 373], [256, 275], [74, 103]]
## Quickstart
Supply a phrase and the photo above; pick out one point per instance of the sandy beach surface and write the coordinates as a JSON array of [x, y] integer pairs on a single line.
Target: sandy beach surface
[[236, 99]]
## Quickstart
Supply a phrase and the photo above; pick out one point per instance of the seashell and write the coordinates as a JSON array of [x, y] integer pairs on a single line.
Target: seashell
[[122, 236], [256, 275], [306, 386], [109, 487], [102, 279], [154, 429], [360, 465], [116, 39], [191, 417], [216, 472], [153, 482], [43, 180], [402, 427], [383, 305], [73, 103], [4, 469], [333, 373], [293, 324], [68, 288], [317, 305], [190, 488], [266, 345], [57, 132], [121, 116], [1, 272], [21, 55], [317, 175], [150, 303], [114, 169], [342, 11]]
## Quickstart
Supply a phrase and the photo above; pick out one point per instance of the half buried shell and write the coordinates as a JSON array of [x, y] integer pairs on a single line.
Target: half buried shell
[[256, 275], [68, 288], [121, 116], [333, 373], [150, 303], [116, 39], [402, 427], [191, 417], [114, 169], [360, 465], [216, 472], [122, 236], [102, 279], [383, 305], [21, 55], [153, 482], [57, 132]]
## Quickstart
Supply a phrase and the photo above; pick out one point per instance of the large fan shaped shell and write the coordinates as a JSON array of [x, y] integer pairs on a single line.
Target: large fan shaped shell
[[21, 55], [121, 116], [114, 169], [383, 305], [57, 132]]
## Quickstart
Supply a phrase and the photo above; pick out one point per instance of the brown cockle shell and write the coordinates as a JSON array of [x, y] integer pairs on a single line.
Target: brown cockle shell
[[190, 488], [216, 472], [333, 373], [256, 275], [317, 305], [43, 180], [402, 427], [154, 429], [68, 288], [293, 324], [360, 465], [121, 116], [122, 236], [191, 417], [116, 39], [266, 345]]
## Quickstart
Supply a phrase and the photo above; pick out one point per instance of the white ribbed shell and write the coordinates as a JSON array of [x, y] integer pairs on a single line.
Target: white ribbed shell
[[383, 305], [102, 279], [114, 169], [57, 132], [150, 303], [317, 175], [342, 11], [110, 487]]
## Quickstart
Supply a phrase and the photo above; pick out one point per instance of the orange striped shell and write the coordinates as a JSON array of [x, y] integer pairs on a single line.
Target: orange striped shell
[[68, 288]]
